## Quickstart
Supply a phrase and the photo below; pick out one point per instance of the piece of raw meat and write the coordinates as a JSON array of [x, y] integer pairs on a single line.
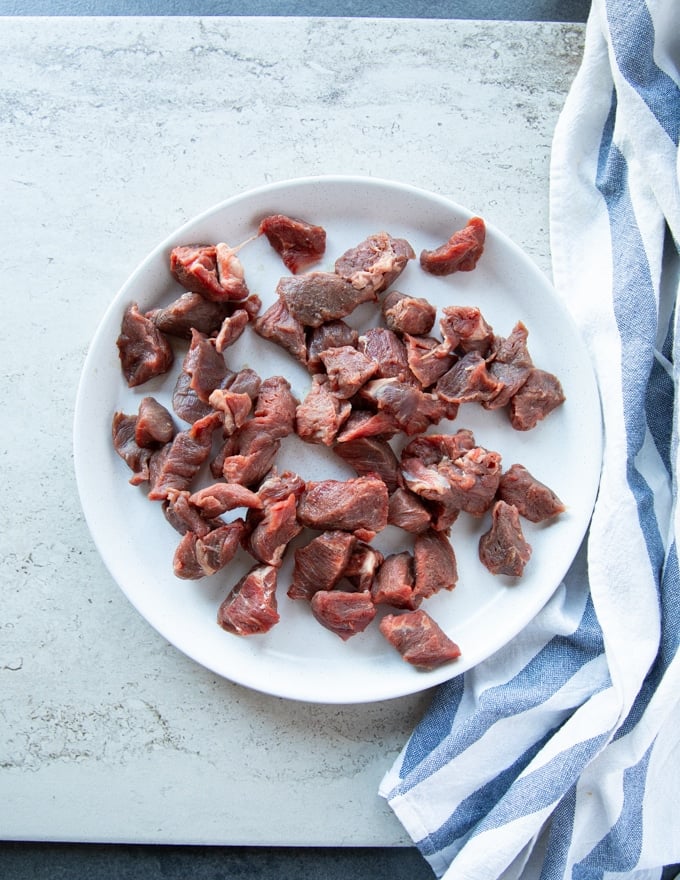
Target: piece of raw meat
[[408, 314], [534, 500], [393, 583], [298, 243], [434, 564], [317, 297], [251, 606], [144, 351], [356, 505], [320, 564], [460, 253], [344, 613], [504, 549], [539, 395], [375, 263], [419, 639]]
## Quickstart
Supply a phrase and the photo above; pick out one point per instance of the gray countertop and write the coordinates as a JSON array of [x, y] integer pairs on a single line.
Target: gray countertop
[[114, 132]]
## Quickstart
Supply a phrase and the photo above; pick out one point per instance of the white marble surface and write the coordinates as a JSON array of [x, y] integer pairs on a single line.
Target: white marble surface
[[112, 133]]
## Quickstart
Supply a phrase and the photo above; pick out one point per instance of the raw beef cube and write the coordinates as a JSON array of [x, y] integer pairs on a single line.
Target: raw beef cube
[[534, 500], [434, 563], [332, 334], [320, 564], [278, 325], [154, 424], [503, 549], [357, 505], [321, 414], [318, 297], [369, 455], [251, 606], [540, 394], [419, 639], [393, 583], [408, 512], [298, 243], [375, 263], [464, 328], [460, 253], [347, 369], [408, 314], [343, 613], [144, 351]]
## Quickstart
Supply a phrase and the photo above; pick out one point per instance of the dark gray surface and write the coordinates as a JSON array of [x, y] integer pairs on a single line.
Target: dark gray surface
[[517, 10]]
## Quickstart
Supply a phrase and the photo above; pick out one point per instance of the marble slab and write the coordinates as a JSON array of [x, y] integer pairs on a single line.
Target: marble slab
[[112, 133]]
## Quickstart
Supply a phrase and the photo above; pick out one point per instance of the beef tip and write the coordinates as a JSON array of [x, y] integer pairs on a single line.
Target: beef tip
[[251, 606], [425, 480], [375, 263], [186, 403], [144, 351], [370, 455], [249, 466], [231, 329], [510, 363], [343, 613], [363, 564], [428, 358], [214, 271], [184, 517], [465, 328], [434, 563], [137, 458], [467, 381], [460, 253], [412, 409], [534, 500], [190, 311], [357, 505], [298, 243], [321, 414], [385, 348], [408, 314], [393, 583], [407, 511], [419, 639], [278, 486], [332, 334], [362, 423], [279, 326], [235, 408], [216, 499], [275, 407], [182, 458], [154, 424], [197, 557], [205, 365], [347, 369], [539, 395], [473, 478], [503, 549], [320, 564], [318, 297], [268, 541]]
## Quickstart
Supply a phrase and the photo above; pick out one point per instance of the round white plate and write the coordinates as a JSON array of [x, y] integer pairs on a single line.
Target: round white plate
[[298, 658]]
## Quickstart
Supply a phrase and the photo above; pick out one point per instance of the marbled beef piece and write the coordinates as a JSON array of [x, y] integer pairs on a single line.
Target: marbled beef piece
[[251, 606], [375, 263], [154, 426], [473, 480], [205, 365], [190, 311], [343, 613], [184, 517], [385, 348], [318, 297], [364, 423], [460, 253], [137, 458], [218, 498], [434, 564], [144, 351], [356, 505], [178, 462], [371, 455], [320, 564], [509, 361], [268, 541], [408, 314], [539, 395], [428, 358], [407, 511], [393, 583], [419, 639], [197, 557], [504, 549], [347, 369], [363, 564], [468, 381], [279, 326], [412, 409], [231, 329], [277, 487], [235, 408], [533, 499], [298, 243], [214, 271], [321, 414], [465, 328], [332, 334]]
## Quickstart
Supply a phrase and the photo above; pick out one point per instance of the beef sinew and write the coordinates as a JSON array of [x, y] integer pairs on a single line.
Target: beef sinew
[[419, 639], [251, 607], [460, 253]]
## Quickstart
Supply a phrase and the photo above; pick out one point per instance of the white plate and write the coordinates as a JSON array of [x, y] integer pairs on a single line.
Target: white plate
[[298, 658]]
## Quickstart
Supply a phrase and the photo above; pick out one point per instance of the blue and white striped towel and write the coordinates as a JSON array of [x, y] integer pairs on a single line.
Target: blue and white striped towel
[[559, 757]]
